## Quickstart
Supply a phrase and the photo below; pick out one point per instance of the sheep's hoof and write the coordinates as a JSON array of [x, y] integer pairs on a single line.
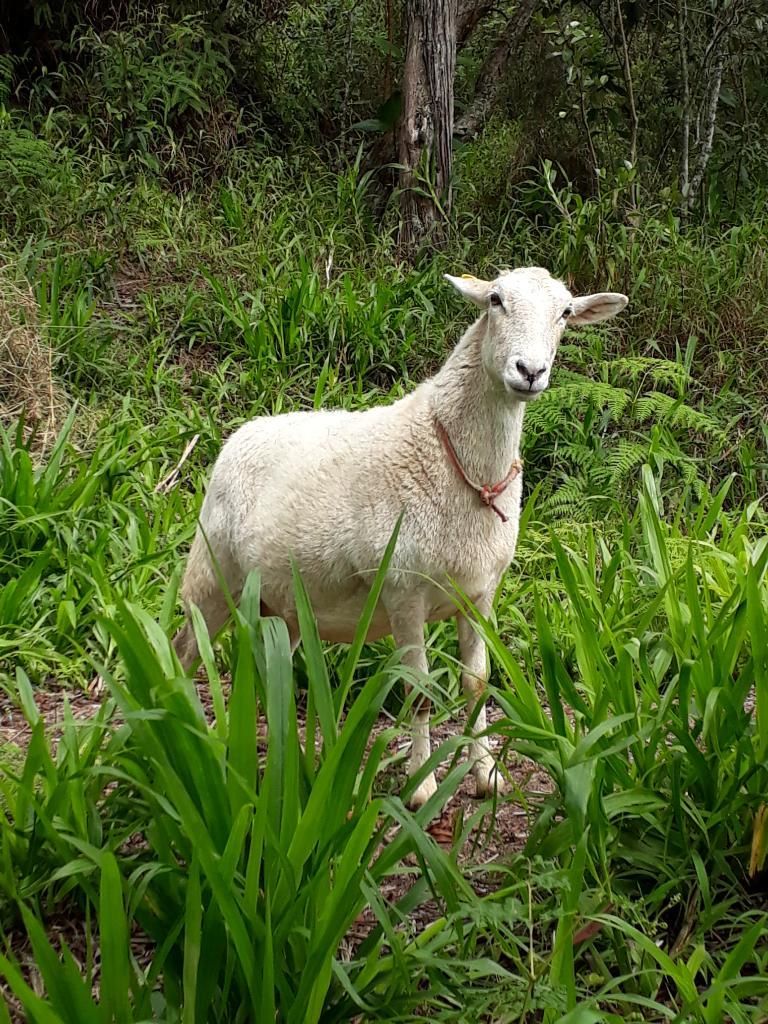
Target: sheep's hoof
[[489, 781], [425, 790]]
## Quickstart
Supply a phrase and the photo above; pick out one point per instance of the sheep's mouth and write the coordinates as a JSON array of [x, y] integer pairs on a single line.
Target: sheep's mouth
[[526, 394]]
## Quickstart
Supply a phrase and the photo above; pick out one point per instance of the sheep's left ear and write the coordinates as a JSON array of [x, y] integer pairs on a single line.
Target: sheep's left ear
[[589, 309], [471, 288]]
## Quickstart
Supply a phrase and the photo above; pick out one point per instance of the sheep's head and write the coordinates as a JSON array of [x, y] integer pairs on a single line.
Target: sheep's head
[[527, 311]]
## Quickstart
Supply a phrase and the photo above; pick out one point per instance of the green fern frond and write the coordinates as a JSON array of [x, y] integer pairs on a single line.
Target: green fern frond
[[6, 77], [580, 454], [576, 393], [664, 409], [623, 460], [570, 501], [691, 475], [26, 160], [648, 369]]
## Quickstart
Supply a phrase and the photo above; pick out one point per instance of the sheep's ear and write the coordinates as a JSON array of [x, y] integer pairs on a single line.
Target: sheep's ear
[[471, 288], [588, 309]]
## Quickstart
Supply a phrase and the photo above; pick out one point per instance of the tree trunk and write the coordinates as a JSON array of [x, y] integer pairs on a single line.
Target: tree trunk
[[491, 75], [425, 136], [710, 118], [701, 90], [685, 122], [633, 119]]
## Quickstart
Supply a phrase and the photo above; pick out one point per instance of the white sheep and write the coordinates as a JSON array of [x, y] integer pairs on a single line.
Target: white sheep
[[326, 488]]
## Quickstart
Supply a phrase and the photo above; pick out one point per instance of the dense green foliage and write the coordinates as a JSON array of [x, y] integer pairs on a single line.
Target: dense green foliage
[[181, 234]]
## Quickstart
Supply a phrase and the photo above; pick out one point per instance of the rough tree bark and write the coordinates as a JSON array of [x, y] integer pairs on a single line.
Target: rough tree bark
[[492, 72], [425, 135]]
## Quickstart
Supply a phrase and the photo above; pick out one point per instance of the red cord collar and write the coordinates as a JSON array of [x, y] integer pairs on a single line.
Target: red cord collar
[[488, 492]]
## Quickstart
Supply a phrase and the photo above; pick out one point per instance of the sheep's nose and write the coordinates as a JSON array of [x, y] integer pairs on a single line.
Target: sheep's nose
[[529, 374]]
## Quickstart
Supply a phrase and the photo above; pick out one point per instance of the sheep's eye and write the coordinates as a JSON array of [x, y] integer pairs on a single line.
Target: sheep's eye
[[568, 311], [495, 299]]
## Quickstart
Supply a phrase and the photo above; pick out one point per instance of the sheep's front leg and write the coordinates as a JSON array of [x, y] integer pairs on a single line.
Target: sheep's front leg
[[408, 632], [474, 676]]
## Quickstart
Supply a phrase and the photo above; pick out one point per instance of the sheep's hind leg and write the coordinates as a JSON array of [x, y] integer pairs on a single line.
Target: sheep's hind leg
[[474, 676], [215, 611], [291, 621], [408, 632], [201, 587]]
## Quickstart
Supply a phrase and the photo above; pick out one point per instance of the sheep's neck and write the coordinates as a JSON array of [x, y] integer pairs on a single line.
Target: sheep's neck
[[485, 426]]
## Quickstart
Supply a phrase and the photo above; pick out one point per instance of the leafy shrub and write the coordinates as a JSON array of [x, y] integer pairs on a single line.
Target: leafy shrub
[[484, 165], [309, 66], [156, 94]]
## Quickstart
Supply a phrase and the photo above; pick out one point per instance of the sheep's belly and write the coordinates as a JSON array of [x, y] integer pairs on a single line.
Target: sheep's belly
[[337, 628], [338, 623]]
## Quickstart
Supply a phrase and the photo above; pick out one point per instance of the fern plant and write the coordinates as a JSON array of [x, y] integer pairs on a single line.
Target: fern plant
[[6, 77], [589, 435], [30, 169]]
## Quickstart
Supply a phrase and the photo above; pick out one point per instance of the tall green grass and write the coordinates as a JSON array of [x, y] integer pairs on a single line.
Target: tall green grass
[[243, 847], [78, 534], [640, 685], [630, 667]]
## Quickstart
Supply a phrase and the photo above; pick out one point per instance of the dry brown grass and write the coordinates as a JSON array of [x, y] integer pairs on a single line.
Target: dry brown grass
[[27, 385]]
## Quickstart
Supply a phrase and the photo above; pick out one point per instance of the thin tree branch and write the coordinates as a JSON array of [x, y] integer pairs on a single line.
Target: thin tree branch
[[685, 127], [709, 129], [633, 120], [491, 76], [469, 17]]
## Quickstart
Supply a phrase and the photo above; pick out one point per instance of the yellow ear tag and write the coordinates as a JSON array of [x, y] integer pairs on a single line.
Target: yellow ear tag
[[469, 277]]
